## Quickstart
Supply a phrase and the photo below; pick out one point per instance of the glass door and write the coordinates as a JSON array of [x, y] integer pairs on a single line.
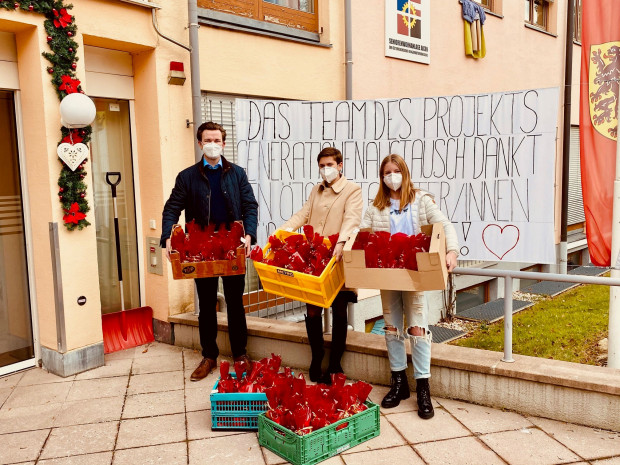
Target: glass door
[[111, 152], [16, 340]]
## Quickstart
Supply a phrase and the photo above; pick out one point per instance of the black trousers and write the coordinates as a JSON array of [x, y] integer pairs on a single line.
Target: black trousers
[[340, 305], [207, 319]]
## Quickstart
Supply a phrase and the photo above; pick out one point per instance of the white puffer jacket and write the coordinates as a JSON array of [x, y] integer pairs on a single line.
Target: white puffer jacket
[[428, 213]]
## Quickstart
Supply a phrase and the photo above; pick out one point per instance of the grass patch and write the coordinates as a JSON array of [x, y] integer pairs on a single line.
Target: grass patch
[[566, 327]]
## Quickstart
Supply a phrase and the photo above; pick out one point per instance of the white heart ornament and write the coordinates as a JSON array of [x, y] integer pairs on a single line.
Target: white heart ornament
[[72, 155]]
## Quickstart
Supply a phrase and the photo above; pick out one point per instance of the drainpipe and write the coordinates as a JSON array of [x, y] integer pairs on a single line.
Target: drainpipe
[[194, 58], [568, 75], [348, 50]]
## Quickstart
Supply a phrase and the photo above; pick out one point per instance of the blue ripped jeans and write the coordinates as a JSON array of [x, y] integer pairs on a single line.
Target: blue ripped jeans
[[409, 305]]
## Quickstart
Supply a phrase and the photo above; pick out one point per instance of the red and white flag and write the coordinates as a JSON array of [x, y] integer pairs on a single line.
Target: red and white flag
[[600, 80]]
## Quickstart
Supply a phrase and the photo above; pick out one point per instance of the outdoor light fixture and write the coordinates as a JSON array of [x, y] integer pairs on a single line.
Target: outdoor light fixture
[[177, 73], [77, 110]]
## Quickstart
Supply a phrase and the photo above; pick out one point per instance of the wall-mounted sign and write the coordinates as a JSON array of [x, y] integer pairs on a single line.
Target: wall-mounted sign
[[408, 30], [81, 300]]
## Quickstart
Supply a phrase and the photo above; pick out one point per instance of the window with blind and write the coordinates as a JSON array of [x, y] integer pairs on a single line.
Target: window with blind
[[575, 196], [299, 14]]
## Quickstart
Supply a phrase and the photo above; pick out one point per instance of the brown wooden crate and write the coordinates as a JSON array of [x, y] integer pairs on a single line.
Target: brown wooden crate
[[192, 270]]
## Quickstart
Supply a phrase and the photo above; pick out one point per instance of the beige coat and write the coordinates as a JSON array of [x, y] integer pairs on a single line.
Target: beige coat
[[331, 210], [428, 213]]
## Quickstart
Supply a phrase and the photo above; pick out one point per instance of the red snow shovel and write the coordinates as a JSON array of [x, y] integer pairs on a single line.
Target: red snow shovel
[[127, 328]]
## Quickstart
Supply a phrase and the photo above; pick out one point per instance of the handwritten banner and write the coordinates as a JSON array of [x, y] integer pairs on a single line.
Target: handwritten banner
[[488, 159]]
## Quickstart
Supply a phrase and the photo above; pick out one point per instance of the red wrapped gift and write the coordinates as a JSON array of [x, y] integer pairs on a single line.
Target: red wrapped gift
[[203, 252], [305, 408], [304, 253], [383, 250]]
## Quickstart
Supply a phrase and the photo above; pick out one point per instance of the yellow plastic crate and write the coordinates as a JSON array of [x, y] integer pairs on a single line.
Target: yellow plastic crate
[[316, 290]]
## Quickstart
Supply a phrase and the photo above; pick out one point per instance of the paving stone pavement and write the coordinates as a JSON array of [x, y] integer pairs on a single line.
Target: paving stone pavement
[[141, 408]]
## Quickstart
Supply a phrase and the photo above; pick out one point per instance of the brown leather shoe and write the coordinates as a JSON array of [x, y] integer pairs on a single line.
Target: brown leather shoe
[[204, 368], [246, 359]]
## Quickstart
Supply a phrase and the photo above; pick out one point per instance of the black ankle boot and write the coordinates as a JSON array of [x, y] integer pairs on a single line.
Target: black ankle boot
[[399, 390], [338, 345], [314, 328], [425, 406]]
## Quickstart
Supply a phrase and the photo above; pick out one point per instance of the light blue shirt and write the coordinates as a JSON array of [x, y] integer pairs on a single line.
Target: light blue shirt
[[400, 220], [405, 220], [209, 166]]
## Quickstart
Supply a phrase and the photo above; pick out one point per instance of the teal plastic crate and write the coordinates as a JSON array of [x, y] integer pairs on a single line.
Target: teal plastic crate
[[320, 444], [237, 410]]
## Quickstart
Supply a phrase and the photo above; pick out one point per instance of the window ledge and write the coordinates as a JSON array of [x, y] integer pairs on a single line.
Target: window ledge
[[240, 23], [538, 29], [576, 42], [144, 3], [492, 13]]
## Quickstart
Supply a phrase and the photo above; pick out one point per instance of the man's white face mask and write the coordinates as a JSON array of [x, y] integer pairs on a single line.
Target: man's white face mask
[[329, 174], [393, 180], [212, 150]]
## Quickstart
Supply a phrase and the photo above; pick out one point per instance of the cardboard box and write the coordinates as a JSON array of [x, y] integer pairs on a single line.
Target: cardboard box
[[432, 273], [210, 269]]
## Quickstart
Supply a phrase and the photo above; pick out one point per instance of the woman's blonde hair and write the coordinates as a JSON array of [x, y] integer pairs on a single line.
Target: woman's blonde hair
[[407, 191]]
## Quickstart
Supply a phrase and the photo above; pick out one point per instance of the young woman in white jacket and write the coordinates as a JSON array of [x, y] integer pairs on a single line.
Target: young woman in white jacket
[[399, 207]]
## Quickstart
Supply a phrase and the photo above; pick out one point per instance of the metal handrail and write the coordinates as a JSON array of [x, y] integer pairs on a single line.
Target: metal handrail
[[508, 275]]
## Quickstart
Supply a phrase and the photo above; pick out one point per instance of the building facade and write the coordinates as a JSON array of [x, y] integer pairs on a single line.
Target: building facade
[[54, 288]]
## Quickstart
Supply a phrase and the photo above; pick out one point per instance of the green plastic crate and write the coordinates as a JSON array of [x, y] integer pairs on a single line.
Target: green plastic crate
[[320, 444]]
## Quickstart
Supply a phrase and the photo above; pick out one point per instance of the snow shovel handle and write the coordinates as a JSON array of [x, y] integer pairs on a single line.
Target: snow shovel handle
[[113, 184]]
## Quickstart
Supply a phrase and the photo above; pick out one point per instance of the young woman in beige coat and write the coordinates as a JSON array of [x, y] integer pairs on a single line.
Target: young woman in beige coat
[[399, 207], [334, 207]]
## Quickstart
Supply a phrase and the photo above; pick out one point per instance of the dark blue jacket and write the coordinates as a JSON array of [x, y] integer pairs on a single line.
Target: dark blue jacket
[[192, 193]]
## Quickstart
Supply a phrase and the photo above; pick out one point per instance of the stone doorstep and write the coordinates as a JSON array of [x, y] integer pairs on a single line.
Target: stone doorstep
[[551, 372]]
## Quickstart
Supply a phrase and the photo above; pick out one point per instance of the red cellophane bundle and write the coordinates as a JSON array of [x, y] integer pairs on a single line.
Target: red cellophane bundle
[[305, 253], [304, 408], [204, 243], [261, 377], [384, 250]]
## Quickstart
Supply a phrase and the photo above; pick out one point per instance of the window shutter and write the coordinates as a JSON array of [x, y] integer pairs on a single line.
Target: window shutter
[[575, 197]]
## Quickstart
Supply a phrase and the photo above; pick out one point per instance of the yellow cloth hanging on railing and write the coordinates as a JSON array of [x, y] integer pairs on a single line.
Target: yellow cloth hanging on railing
[[474, 39]]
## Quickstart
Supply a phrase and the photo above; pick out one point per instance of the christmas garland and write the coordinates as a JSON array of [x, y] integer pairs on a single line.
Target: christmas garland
[[60, 27]]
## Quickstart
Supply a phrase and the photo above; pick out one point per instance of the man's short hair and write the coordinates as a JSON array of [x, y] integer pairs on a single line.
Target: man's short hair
[[211, 126], [330, 152]]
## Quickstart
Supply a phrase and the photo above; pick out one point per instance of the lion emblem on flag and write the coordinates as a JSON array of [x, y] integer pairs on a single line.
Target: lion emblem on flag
[[603, 88]]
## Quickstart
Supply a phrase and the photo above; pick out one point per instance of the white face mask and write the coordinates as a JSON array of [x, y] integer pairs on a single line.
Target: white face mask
[[212, 150], [393, 180], [329, 174]]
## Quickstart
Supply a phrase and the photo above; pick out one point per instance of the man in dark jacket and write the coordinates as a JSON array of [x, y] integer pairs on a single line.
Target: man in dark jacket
[[215, 191]]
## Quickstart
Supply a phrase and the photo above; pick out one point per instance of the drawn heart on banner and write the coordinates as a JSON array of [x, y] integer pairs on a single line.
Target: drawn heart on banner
[[72, 155], [496, 242]]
